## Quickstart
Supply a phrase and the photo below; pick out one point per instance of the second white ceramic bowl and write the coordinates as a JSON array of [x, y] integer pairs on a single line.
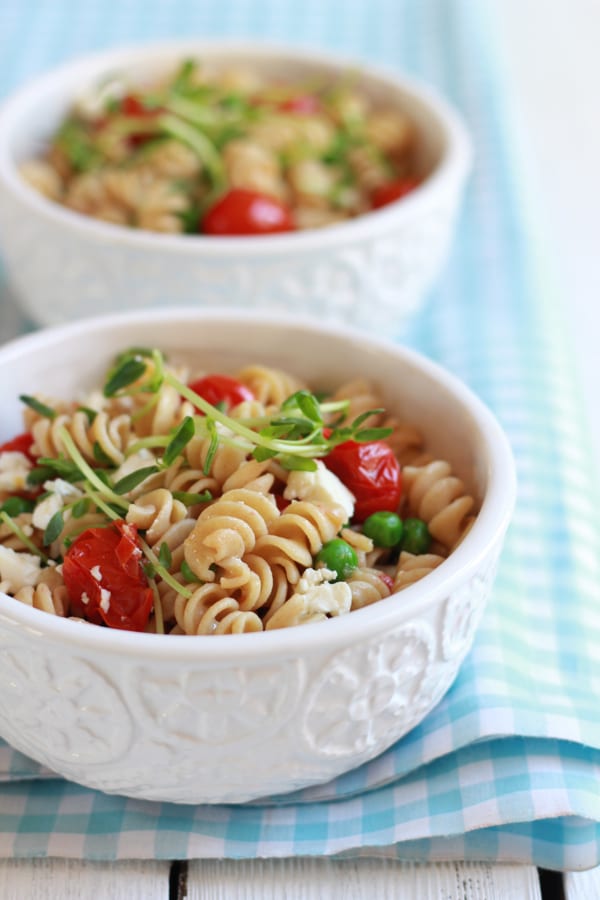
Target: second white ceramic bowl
[[229, 718], [373, 271]]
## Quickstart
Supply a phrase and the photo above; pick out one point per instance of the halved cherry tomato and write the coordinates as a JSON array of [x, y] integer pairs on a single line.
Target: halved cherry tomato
[[371, 471], [392, 191], [120, 595], [19, 444], [243, 212], [304, 104], [221, 389]]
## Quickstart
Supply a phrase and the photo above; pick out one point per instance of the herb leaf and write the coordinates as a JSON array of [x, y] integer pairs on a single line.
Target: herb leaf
[[100, 455], [190, 499], [307, 404], [188, 574], [179, 441], [80, 508], [164, 555], [131, 481], [53, 528], [125, 373], [45, 411], [14, 506], [372, 434], [298, 464]]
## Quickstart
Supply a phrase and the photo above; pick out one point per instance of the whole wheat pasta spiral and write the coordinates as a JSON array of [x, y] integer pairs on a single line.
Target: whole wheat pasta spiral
[[155, 513], [411, 568], [228, 529], [226, 461], [305, 607], [438, 497], [50, 598], [270, 386], [367, 586], [210, 610], [300, 532]]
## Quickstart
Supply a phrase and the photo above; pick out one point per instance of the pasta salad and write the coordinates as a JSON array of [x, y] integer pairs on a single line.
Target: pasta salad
[[181, 502], [228, 153]]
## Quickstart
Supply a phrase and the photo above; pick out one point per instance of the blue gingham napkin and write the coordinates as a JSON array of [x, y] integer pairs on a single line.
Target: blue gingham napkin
[[507, 766]]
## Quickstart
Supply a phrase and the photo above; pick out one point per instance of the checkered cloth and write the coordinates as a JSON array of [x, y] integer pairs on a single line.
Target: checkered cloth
[[507, 767]]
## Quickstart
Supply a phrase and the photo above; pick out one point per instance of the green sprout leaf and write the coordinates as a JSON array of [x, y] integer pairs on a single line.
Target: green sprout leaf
[[101, 456], [188, 574], [53, 528], [307, 403], [164, 556], [123, 375], [54, 467], [90, 413], [131, 481], [40, 408], [298, 464], [14, 506], [372, 434], [179, 441], [190, 499], [80, 508], [212, 447], [358, 421]]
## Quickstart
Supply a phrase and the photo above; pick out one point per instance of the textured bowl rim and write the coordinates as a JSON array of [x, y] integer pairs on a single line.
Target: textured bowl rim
[[486, 533], [451, 171]]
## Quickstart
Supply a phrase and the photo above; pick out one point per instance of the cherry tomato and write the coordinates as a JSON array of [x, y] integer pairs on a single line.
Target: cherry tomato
[[19, 444], [371, 471], [240, 212], [304, 104], [134, 108], [103, 574], [221, 389], [392, 191]]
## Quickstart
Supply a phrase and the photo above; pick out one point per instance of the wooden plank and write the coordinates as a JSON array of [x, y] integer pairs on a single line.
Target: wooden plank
[[582, 885], [68, 879], [324, 879]]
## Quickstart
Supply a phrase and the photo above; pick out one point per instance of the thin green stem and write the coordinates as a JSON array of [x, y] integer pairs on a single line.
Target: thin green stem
[[166, 576], [18, 531], [87, 471], [158, 610]]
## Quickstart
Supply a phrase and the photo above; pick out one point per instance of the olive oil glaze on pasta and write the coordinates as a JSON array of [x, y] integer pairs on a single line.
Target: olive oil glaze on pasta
[[176, 502]]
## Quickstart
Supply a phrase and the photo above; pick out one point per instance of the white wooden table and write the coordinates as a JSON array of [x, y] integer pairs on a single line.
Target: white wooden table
[[318, 879], [564, 65]]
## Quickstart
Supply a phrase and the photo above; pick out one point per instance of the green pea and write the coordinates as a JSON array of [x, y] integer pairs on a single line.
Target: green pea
[[338, 556], [384, 528], [417, 538]]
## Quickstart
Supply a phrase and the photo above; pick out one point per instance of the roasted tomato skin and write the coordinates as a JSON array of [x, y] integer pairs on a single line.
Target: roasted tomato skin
[[371, 471], [106, 583], [19, 444], [221, 389]]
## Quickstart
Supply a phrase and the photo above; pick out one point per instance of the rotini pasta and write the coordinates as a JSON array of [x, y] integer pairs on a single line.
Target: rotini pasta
[[219, 504]]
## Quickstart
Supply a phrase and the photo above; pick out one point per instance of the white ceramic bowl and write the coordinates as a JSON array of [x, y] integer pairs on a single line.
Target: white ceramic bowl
[[372, 271], [234, 717]]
